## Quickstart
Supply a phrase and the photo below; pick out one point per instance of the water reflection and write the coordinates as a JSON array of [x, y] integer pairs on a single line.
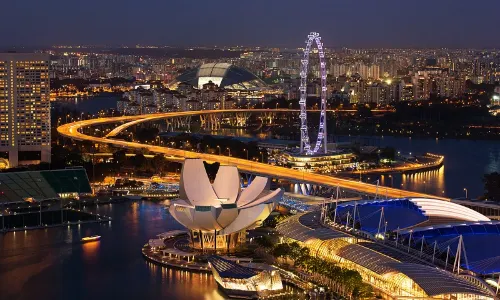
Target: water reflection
[[54, 264], [187, 283], [430, 182], [89, 105], [90, 251]]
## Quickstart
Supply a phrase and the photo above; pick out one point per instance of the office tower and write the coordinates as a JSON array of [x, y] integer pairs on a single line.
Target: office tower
[[24, 107]]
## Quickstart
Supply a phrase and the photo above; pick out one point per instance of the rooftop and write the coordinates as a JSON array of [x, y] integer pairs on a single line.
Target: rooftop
[[42, 185], [230, 269], [223, 75]]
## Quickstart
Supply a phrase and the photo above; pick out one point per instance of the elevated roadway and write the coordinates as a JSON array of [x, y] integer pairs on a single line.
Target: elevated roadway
[[153, 117], [72, 130]]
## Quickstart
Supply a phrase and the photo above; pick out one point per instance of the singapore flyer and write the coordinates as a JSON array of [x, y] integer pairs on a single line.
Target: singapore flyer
[[305, 146]]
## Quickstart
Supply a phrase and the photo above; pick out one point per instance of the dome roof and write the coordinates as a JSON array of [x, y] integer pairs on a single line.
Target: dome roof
[[224, 75]]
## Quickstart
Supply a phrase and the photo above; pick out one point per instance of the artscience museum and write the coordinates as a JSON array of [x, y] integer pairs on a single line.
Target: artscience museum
[[218, 213]]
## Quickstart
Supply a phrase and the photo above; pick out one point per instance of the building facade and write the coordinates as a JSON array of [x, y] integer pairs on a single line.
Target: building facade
[[25, 107]]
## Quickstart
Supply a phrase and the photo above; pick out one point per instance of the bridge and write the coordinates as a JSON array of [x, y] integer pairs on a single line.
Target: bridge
[[134, 120], [73, 131]]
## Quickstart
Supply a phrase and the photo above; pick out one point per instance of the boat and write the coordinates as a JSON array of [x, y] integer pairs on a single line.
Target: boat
[[91, 238]]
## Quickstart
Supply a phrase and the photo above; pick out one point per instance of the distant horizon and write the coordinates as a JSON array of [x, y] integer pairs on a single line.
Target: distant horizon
[[362, 24], [7, 48]]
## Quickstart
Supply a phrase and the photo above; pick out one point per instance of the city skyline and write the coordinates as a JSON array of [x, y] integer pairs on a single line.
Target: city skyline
[[262, 149], [361, 24]]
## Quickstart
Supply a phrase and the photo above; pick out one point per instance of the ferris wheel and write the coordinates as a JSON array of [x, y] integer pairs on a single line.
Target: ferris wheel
[[305, 146]]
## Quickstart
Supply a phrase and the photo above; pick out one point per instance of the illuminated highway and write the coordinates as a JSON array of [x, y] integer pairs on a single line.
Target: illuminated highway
[[153, 117], [71, 130]]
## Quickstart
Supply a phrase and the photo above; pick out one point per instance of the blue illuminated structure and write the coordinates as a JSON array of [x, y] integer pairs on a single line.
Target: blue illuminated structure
[[395, 213], [480, 240], [432, 227]]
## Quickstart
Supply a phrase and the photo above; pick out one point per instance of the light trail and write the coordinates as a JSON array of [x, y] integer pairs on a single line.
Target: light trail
[[71, 130]]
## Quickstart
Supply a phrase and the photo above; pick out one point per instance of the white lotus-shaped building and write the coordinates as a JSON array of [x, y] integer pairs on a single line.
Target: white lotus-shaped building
[[220, 211]]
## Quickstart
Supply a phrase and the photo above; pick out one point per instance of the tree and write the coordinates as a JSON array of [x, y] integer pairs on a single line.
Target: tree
[[364, 111], [140, 162], [119, 157], [492, 186], [388, 152], [159, 163], [365, 291], [264, 241], [281, 250], [295, 250]]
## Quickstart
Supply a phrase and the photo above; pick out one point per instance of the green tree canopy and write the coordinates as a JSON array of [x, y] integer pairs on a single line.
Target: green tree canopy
[[119, 157]]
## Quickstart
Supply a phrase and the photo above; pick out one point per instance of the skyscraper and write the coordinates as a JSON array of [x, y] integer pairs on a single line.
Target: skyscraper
[[24, 107]]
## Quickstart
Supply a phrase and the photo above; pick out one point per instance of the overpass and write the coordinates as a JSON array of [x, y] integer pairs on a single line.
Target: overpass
[[72, 130], [154, 117]]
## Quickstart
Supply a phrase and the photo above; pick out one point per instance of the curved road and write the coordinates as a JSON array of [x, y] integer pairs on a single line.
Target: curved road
[[72, 130]]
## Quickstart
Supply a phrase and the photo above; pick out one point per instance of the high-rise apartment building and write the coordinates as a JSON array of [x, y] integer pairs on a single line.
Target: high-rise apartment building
[[25, 107]]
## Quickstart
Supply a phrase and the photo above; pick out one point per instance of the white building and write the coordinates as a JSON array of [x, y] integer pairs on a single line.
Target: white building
[[228, 103], [146, 98], [165, 99], [192, 105], [218, 214], [25, 106], [181, 102], [214, 105], [149, 109], [133, 108], [122, 105]]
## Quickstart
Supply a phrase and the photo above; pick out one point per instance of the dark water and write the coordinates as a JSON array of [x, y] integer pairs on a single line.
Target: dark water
[[466, 161], [53, 264], [91, 105]]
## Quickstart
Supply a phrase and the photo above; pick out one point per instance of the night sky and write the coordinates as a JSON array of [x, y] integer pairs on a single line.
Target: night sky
[[282, 23]]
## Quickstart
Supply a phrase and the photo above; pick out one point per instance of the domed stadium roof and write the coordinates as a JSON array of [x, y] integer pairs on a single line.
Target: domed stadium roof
[[224, 75]]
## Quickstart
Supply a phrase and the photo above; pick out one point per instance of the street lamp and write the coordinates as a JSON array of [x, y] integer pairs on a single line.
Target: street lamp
[[229, 151], [218, 147], [466, 192], [392, 180], [246, 152], [262, 156]]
